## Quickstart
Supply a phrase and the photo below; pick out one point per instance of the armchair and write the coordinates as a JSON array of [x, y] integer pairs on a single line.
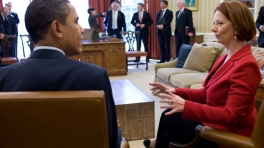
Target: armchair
[[132, 39], [53, 119], [230, 139]]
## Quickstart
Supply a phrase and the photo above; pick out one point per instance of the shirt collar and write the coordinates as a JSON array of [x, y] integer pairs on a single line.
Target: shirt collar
[[182, 9], [48, 47], [3, 16]]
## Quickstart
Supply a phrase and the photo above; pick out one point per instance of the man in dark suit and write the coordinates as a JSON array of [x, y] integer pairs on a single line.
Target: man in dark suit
[[163, 21], [10, 28], [141, 20], [260, 26], [48, 68], [115, 21], [16, 19], [93, 23], [184, 26]]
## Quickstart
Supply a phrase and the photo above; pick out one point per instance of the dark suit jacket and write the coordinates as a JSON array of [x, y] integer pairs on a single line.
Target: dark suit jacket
[[229, 92], [93, 23], [50, 70], [11, 28], [145, 20], [167, 17], [121, 23], [2, 30], [15, 16], [184, 20], [260, 21]]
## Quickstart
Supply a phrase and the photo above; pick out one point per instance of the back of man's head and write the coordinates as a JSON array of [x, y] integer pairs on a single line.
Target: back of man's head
[[41, 13]]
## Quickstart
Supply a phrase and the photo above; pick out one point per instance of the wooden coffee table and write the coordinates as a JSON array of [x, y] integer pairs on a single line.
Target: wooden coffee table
[[135, 110]]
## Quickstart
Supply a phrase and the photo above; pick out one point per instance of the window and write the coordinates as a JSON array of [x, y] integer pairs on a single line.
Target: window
[[20, 6], [81, 7], [129, 7]]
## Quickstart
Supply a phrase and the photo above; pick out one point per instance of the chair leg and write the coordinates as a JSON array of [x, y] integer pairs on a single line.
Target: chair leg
[[138, 62], [146, 63], [126, 63]]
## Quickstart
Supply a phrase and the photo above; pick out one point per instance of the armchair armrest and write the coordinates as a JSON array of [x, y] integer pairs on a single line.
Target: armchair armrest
[[169, 64], [225, 138]]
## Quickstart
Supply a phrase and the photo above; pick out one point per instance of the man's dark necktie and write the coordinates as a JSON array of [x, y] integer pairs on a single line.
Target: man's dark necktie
[[179, 14], [161, 15]]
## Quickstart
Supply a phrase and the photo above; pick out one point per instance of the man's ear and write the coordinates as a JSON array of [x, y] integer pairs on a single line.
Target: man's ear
[[56, 29]]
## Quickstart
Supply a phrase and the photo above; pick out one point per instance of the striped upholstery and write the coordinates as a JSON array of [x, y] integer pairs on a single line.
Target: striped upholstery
[[259, 55]]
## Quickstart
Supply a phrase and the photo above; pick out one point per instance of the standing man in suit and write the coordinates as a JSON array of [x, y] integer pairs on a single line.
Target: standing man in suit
[[141, 20], [183, 20], [115, 21], [16, 19], [93, 23], [260, 26], [163, 21], [10, 29], [48, 68]]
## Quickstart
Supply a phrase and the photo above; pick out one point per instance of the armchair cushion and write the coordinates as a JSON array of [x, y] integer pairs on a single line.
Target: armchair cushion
[[185, 80], [166, 73], [259, 55], [201, 58], [184, 52]]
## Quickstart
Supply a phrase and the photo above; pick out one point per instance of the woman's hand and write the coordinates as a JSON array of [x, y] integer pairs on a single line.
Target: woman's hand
[[161, 88], [175, 102]]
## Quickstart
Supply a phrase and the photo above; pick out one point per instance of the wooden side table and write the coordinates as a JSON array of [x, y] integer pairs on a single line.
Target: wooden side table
[[196, 39]]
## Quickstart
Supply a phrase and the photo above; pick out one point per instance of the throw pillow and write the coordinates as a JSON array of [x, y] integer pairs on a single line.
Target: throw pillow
[[259, 56], [201, 58], [183, 54]]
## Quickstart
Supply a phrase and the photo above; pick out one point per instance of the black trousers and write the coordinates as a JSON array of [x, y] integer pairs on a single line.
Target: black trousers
[[144, 38], [173, 128], [179, 41], [115, 32], [164, 43]]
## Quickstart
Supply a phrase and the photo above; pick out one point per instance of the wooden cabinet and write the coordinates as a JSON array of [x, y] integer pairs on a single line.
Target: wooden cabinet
[[195, 39], [109, 55]]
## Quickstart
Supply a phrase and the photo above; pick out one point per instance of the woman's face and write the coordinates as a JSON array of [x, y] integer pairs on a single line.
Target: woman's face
[[223, 29], [93, 12]]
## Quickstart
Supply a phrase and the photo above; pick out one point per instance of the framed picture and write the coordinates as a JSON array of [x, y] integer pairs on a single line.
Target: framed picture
[[192, 4]]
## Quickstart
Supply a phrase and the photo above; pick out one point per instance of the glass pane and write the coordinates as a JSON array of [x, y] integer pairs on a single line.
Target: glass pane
[[20, 8], [81, 7], [129, 7]]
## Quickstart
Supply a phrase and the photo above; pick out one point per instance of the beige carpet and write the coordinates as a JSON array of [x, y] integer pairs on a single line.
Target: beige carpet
[[141, 78]]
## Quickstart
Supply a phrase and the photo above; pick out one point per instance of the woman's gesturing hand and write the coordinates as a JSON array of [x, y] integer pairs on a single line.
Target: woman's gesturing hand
[[161, 88], [175, 102]]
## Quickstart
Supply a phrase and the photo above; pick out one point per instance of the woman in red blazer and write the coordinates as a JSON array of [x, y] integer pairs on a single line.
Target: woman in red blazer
[[227, 99]]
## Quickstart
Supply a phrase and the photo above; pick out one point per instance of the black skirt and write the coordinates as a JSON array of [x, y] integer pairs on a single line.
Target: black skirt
[[173, 128]]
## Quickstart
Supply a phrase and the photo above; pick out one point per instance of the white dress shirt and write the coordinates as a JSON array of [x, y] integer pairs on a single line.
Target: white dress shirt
[[48, 47], [114, 19]]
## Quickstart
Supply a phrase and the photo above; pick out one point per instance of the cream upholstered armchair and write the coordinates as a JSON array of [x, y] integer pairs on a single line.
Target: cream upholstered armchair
[[230, 139]]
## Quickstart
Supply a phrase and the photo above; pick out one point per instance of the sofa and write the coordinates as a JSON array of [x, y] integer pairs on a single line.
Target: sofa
[[197, 65]]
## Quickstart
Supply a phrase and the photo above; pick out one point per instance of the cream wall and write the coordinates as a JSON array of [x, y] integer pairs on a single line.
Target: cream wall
[[203, 18]]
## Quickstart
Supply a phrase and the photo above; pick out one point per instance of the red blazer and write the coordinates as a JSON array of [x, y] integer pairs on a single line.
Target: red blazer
[[227, 101]]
